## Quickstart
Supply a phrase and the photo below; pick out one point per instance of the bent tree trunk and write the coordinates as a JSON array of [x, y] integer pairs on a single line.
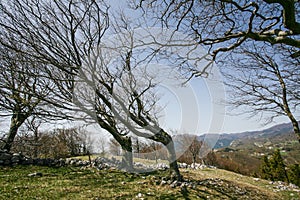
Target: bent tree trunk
[[16, 121], [127, 159], [173, 161], [169, 144], [125, 143]]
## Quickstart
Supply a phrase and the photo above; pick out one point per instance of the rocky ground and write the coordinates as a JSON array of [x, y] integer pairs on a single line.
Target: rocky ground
[[11, 159]]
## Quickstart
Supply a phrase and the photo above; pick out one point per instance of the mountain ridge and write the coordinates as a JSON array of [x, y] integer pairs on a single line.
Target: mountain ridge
[[273, 133]]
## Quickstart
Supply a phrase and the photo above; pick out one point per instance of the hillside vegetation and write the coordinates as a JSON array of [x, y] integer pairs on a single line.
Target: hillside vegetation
[[244, 152]]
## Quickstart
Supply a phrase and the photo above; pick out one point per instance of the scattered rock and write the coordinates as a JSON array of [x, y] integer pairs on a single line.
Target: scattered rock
[[195, 166], [161, 166], [163, 182], [183, 165], [175, 184], [36, 174], [293, 186], [282, 186], [8, 159], [27, 161], [5, 156]]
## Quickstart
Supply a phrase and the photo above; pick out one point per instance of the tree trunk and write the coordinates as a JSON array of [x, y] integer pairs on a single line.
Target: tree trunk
[[173, 160], [13, 130], [286, 107], [127, 158], [194, 160], [295, 126], [292, 118], [164, 138], [125, 143], [16, 122], [35, 146]]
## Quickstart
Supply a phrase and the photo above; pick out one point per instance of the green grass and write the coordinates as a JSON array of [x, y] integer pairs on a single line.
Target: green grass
[[78, 183]]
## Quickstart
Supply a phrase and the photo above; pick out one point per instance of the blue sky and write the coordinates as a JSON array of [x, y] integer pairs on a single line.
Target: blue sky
[[199, 106], [198, 119]]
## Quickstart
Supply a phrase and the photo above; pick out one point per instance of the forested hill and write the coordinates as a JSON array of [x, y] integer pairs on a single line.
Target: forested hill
[[275, 134]]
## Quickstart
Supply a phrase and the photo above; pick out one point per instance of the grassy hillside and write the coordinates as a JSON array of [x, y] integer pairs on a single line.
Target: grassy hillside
[[244, 152], [245, 155], [89, 183]]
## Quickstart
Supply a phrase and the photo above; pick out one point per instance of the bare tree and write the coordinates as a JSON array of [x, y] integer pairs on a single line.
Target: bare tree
[[114, 88], [22, 90], [68, 140], [224, 28], [67, 36], [56, 143], [56, 32], [189, 146], [39, 55], [119, 94], [194, 149], [59, 34], [130, 99], [33, 124], [224, 25], [263, 81], [123, 101]]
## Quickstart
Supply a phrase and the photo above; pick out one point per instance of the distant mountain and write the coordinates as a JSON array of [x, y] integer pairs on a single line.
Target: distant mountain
[[277, 133], [243, 152]]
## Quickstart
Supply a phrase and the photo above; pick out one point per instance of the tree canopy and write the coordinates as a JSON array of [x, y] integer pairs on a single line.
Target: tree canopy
[[223, 25]]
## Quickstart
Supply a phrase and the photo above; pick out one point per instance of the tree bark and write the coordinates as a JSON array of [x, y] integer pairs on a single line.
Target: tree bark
[[13, 130], [36, 138], [127, 158], [286, 106], [194, 160], [16, 121], [295, 126], [125, 143], [164, 138], [174, 170]]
